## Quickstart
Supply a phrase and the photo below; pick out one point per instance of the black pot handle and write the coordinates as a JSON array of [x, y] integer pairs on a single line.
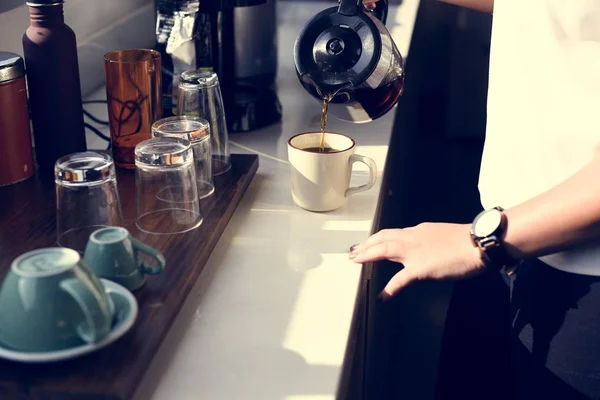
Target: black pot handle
[[381, 10], [349, 7]]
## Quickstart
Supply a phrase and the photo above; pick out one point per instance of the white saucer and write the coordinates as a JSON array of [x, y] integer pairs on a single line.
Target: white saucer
[[125, 314]]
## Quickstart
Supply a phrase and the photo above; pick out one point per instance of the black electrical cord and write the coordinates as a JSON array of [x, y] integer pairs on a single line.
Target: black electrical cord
[[94, 102], [90, 115], [96, 120], [98, 133], [95, 130]]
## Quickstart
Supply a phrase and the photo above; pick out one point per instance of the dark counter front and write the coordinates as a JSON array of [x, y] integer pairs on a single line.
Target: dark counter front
[[431, 342]]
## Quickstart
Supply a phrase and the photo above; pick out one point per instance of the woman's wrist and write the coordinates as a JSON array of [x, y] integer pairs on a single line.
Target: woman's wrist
[[562, 218], [533, 234]]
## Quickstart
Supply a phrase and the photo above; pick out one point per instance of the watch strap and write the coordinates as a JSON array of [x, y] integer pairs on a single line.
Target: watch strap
[[496, 253]]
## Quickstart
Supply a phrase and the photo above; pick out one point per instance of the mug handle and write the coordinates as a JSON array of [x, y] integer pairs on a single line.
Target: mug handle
[[372, 174], [155, 254], [97, 320]]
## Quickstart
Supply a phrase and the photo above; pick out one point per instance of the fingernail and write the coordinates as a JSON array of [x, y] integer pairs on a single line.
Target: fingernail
[[353, 247], [382, 297], [352, 255]]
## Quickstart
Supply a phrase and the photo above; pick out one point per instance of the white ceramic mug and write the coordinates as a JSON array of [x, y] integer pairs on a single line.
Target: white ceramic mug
[[321, 180]]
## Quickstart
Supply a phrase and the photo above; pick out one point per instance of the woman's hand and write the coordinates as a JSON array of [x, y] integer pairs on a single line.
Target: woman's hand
[[427, 251]]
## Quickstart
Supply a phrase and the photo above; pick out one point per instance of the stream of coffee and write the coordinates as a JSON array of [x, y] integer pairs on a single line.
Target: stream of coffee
[[326, 101]]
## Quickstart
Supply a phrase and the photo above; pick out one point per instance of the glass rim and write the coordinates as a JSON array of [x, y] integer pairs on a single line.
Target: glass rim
[[190, 134], [198, 79], [177, 152], [84, 168], [154, 55], [139, 221]]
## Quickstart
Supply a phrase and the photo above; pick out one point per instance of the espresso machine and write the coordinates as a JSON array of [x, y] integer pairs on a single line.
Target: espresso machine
[[235, 38], [255, 93]]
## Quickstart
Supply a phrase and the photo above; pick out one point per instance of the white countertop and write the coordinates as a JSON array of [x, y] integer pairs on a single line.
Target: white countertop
[[269, 317]]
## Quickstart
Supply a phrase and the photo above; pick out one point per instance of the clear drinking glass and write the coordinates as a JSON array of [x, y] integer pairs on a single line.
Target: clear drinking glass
[[86, 197], [166, 190], [196, 131], [200, 96]]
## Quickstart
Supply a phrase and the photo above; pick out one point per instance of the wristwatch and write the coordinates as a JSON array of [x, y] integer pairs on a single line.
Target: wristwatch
[[487, 232]]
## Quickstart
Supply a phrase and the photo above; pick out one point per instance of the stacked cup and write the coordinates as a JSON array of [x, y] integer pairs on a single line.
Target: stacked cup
[[190, 147]]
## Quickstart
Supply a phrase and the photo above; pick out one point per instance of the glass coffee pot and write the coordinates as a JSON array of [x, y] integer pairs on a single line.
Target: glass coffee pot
[[346, 54]]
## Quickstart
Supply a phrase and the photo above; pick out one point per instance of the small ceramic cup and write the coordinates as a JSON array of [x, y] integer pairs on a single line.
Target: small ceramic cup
[[320, 180], [51, 300], [115, 255]]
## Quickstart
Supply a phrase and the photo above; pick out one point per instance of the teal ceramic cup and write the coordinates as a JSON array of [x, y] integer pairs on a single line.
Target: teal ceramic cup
[[115, 255], [51, 300]]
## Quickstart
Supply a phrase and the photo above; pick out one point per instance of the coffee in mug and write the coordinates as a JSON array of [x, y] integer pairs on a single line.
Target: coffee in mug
[[320, 150]]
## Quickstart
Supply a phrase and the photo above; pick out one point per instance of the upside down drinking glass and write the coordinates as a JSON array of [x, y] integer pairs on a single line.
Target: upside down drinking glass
[[166, 189], [133, 93], [200, 96], [196, 131], [86, 197]]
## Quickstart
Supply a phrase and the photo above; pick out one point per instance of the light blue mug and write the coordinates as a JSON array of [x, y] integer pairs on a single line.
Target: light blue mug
[[51, 300], [115, 255]]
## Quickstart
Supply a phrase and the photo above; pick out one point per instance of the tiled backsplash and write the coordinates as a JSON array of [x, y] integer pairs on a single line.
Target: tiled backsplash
[[100, 26]]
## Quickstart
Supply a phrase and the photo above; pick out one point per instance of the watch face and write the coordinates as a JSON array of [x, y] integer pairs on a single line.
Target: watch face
[[487, 223]]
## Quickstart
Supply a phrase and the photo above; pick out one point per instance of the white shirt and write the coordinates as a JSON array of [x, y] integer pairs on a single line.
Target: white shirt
[[543, 112]]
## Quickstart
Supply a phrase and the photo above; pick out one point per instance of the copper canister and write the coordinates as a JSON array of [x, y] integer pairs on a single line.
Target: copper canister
[[16, 153]]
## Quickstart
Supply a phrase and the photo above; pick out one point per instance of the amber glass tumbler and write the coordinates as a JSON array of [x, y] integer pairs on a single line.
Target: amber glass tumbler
[[133, 93]]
